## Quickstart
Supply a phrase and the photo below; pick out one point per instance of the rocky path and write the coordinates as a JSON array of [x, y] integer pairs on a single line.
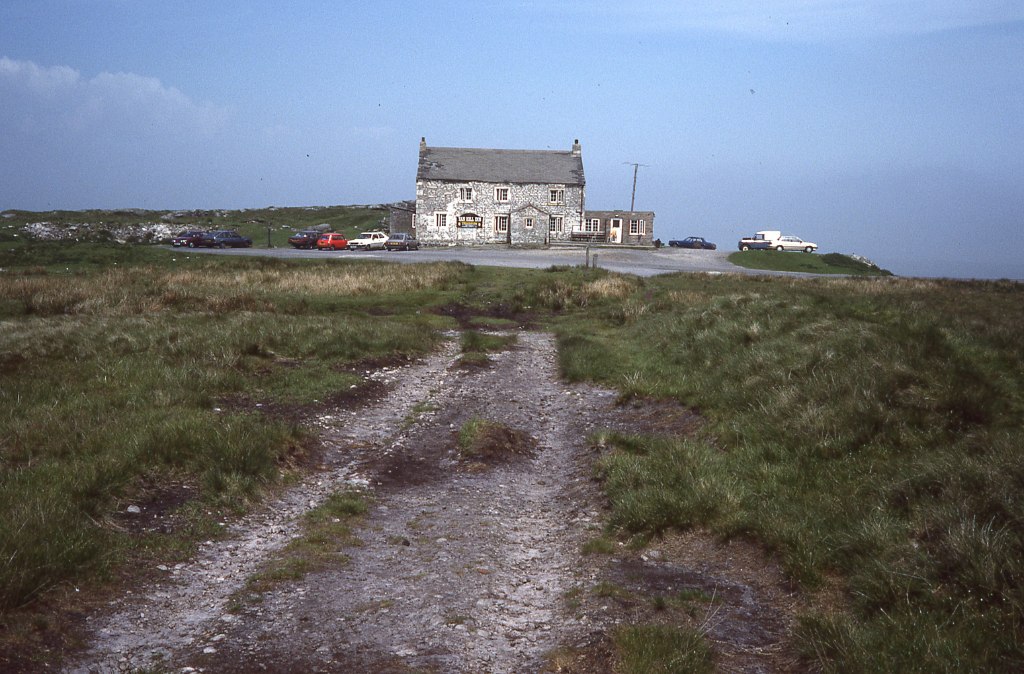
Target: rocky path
[[462, 567]]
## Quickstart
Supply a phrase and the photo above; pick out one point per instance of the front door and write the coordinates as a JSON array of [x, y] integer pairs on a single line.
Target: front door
[[615, 231]]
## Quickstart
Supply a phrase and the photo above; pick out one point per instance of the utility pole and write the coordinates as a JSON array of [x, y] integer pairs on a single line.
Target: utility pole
[[636, 167]]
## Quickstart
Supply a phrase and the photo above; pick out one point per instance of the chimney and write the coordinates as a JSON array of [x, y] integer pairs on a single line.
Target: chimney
[[576, 149], [423, 143]]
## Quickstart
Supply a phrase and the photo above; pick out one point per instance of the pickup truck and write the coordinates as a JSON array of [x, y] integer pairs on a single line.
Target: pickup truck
[[760, 240]]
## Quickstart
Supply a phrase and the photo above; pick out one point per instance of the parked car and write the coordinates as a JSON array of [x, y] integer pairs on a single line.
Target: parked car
[[401, 241], [368, 241], [760, 240], [304, 239], [794, 243], [332, 241], [225, 238], [694, 242], [190, 238]]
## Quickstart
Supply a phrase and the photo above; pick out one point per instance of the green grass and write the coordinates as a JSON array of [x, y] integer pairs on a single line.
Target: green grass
[[482, 439], [257, 224], [829, 263], [120, 379], [865, 430], [326, 531], [659, 649]]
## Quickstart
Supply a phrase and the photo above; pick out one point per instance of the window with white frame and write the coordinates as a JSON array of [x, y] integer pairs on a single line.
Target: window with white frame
[[592, 225], [501, 223], [440, 219], [528, 223], [465, 194], [637, 226], [501, 194], [556, 195], [555, 223]]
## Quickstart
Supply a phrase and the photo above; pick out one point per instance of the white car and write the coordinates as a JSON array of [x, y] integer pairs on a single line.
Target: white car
[[794, 243], [368, 241]]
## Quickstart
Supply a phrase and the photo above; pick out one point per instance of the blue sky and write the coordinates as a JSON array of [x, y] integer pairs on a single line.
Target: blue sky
[[890, 129]]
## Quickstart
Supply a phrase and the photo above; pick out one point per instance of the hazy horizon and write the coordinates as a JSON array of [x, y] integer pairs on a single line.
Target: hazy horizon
[[887, 131]]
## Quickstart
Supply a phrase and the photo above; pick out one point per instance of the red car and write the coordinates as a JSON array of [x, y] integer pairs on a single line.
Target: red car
[[190, 238], [332, 241], [304, 239]]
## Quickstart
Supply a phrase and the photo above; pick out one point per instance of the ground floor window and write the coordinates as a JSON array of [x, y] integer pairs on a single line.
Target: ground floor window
[[440, 219], [592, 225], [501, 223], [528, 223], [637, 227], [555, 223]]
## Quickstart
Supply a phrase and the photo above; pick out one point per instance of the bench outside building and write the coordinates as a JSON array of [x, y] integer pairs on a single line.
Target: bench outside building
[[471, 196]]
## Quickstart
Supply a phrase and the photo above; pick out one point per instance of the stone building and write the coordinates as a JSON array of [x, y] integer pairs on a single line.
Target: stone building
[[401, 217], [634, 228], [517, 197]]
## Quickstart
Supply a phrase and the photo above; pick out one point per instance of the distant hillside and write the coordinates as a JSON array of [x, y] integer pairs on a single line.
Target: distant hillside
[[134, 225]]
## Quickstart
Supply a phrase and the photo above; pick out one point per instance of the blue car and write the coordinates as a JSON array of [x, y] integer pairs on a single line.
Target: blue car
[[693, 242], [225, 238]]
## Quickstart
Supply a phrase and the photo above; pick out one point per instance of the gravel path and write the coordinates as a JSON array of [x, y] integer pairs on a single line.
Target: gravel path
[[462, 567], [488, 554]]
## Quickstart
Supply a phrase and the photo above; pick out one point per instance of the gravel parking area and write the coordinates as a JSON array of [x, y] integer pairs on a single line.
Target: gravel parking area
[[641, 262]]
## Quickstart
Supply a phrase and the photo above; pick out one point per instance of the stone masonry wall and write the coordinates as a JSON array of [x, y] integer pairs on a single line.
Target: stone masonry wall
[[525, 201]]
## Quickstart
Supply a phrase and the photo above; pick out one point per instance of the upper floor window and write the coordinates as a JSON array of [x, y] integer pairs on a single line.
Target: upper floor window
[[465, 194], [501, 194], [556, 195], [637, 227]]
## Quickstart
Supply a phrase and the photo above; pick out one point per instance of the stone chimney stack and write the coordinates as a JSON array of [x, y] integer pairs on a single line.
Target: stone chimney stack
[[576, 149], [423, 143]]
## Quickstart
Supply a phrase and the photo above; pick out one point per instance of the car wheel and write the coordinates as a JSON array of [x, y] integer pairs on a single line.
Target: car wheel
[[779, 248], [744, 248], [808, 249], [191, 244]]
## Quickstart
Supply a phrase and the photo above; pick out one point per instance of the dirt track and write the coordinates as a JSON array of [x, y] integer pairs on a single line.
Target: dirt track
[[463, 567]]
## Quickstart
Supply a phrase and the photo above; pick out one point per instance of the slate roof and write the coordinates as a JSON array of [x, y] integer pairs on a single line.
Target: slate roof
[[500, 166]]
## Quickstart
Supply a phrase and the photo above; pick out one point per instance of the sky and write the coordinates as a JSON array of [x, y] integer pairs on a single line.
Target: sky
[[893, 130]]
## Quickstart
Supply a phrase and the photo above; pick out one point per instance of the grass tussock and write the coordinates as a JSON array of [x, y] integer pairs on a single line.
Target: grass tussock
[[484, 440], [660, 649]]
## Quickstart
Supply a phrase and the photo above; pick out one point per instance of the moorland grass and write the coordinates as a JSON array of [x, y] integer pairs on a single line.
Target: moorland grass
[[661, 649], [119, 380], [828, 263], [870, 429]]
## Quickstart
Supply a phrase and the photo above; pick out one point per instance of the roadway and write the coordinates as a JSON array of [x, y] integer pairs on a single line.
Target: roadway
[[641, 262]]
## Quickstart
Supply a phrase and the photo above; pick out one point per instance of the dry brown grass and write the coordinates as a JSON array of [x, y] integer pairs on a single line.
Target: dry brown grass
[[146, 290]]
